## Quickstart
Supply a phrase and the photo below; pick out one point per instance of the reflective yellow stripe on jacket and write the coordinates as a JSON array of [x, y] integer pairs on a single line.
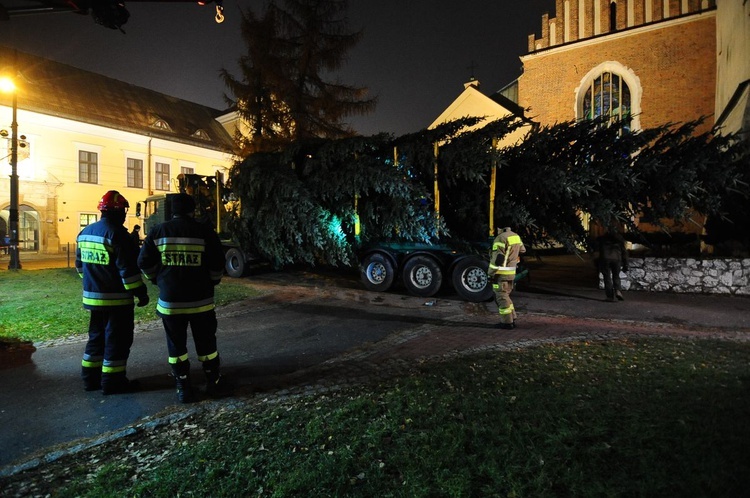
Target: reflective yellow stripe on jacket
[[188, 308], [181, 251], [107, 298], [95, 249], [508, 247]]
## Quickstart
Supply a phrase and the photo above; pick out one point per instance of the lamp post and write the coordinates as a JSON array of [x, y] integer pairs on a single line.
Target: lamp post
[[15, 262]]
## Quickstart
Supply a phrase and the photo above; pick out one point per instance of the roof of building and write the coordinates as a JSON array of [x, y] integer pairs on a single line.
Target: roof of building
[[473, 102], [504, 101], [64, 91]]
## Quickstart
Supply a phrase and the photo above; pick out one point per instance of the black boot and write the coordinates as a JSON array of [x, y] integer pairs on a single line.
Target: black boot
[[181, 373], [216, 384], [184, 389], [118, 383], [92, 378]]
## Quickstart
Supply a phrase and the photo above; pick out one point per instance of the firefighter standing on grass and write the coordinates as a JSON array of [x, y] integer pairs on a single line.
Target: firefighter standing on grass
[[106, 260], [185, 259], [504, 258]]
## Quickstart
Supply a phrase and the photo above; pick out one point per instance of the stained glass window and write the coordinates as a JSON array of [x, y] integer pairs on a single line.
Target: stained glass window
[[608, 95]]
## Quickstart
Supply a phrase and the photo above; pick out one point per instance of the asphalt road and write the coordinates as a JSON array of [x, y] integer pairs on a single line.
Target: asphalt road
[[43, 402]]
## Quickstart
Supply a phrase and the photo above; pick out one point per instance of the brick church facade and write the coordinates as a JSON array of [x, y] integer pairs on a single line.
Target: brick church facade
[[653, 61], [649, 62]]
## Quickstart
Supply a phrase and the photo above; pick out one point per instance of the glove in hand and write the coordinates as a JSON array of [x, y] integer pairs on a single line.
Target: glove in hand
[[143, 301]]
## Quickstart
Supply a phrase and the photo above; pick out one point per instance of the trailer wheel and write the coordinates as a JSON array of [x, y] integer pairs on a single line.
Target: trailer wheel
[[376, 272], [234, 263], [422, 276], [470, 280]]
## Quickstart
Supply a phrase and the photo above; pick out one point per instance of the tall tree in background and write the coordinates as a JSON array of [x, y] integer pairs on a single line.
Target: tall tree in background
[[283, 94], [257, 100]]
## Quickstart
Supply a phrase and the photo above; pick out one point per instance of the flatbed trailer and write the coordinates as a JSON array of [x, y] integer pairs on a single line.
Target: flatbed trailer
[[423, 269]]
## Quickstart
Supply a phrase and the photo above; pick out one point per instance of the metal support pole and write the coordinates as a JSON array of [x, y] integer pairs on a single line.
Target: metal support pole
[[436, 152], [493, 186], [15, 262]]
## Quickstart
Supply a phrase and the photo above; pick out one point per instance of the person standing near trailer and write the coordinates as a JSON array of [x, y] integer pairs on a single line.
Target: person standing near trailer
[[504, 258]]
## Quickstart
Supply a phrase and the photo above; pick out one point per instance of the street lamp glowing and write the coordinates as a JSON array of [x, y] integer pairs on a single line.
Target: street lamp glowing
[[7, 85]]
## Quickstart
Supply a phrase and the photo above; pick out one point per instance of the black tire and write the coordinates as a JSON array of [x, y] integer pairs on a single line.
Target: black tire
[[376, 272], [422, 276], [234, 263], [470, 280]]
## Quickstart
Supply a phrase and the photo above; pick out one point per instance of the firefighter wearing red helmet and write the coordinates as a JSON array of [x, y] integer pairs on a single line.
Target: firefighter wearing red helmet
[[106, 260]]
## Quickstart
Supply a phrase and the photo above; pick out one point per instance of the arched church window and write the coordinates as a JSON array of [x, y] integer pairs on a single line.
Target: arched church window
[[608, 95]]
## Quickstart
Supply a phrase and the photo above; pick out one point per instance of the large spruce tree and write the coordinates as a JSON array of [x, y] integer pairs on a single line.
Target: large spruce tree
[[301, 204], [284, 93]]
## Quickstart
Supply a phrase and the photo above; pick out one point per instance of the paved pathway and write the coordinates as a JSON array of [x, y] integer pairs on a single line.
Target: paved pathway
[[561, 303]]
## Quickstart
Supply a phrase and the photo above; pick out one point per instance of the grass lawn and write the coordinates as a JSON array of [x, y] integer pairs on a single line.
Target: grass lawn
[[623, 418], [43, 305], [652, 417]]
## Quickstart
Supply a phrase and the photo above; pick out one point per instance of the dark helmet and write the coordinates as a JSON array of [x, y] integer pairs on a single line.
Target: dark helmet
[[182, 204]]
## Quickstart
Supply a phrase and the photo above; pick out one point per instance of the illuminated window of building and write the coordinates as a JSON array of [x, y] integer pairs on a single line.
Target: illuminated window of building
[[87, 219], [609, 96], [161, 180], [610, 91], [187, 171], [88, 166], [135, 173], [28, 228], [160, 124], [201, 134]]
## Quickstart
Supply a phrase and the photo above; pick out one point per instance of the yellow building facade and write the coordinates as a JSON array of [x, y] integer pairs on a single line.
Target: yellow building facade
[[81, 134]]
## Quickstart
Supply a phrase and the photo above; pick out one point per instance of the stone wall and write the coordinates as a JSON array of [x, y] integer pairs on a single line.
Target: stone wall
[[688, 275]]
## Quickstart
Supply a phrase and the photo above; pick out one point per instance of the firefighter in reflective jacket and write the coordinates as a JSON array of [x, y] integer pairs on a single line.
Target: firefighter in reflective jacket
[[504, 258], [106, 260], [185, 259]]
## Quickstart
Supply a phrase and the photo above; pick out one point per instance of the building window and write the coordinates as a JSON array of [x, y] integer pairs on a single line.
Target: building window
[[187, 171], [161, 182], [135, 173], [160, 124], [610, 90], [88, 166], [201, 134], [608, 96], [87, 219]]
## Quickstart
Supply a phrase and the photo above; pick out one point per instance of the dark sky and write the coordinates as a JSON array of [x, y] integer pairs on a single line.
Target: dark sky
[[415, 54]]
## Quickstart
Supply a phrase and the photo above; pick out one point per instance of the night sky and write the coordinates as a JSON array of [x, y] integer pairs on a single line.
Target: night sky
[[415, 55]]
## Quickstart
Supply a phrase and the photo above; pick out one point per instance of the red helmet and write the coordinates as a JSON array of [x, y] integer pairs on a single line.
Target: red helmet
[[113, 200]]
